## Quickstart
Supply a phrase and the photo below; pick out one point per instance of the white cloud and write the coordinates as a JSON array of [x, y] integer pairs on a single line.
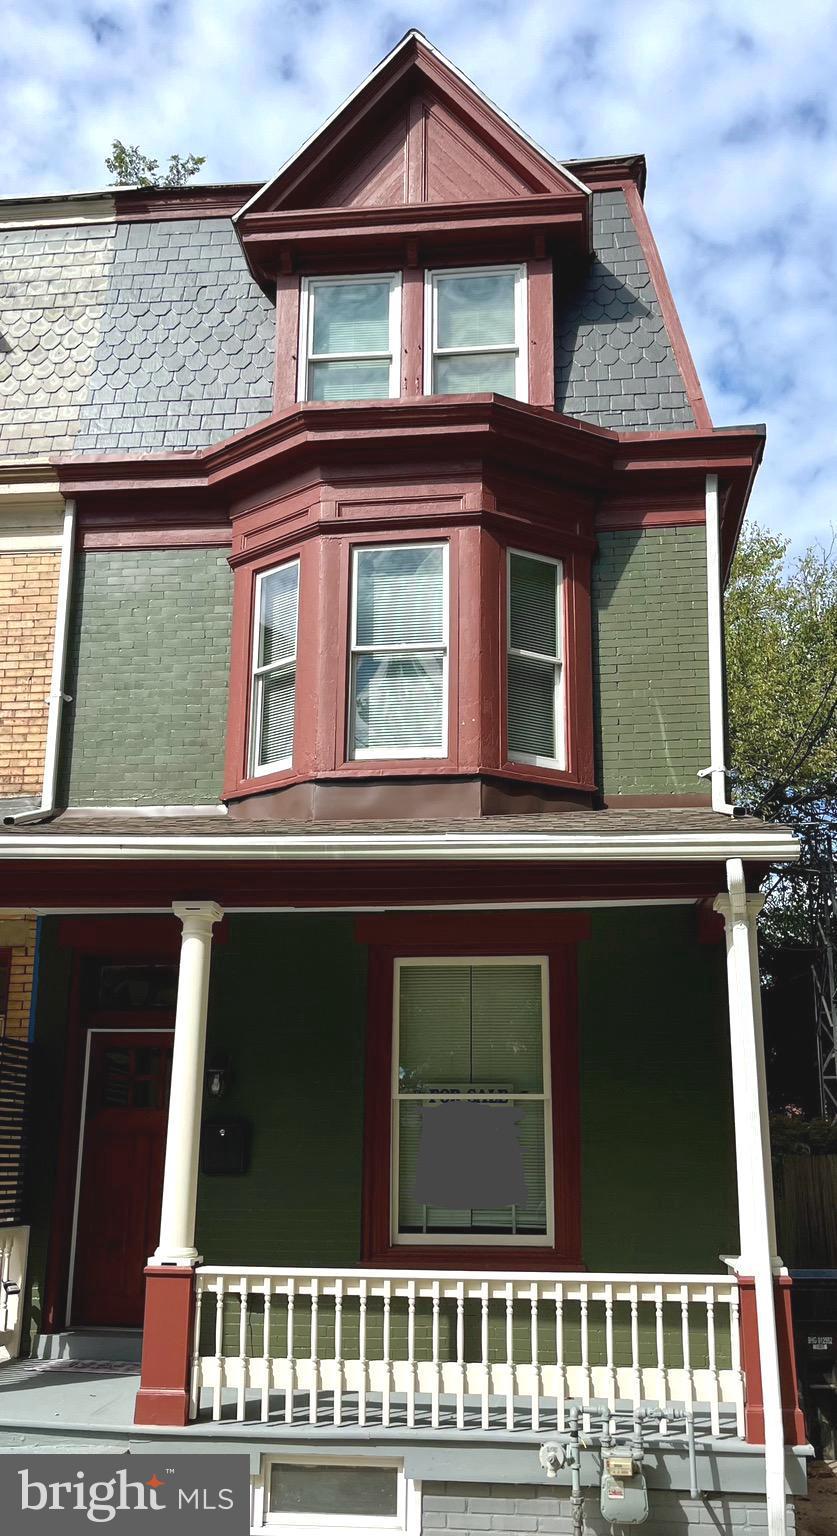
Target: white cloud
[[731, 102]]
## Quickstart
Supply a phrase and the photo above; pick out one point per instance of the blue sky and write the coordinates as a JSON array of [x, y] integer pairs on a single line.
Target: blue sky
[[733, 104]]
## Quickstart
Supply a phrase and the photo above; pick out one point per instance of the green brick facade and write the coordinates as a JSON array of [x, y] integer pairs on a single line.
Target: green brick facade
[[150, 657], [651, 662], [148, 670]]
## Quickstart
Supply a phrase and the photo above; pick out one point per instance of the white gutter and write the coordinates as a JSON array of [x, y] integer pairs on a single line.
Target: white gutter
[[769, 846], [57, 696], [715, 619]]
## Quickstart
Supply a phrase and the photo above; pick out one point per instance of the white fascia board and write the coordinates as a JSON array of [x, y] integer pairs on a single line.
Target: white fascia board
[[766, 847], [414, 32]]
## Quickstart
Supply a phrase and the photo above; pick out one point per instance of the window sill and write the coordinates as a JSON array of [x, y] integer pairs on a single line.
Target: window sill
[[485, 1256]]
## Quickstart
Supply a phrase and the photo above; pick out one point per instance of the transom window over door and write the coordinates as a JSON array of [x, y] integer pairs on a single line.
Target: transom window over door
[[475, 321], [535, 671], [398, 694], [472, 1102], [350, 338], [274, 668]]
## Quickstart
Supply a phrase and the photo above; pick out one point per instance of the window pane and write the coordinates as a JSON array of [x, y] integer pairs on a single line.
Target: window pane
[[475, 311], [400, 596], [357, 1491], [399, 702], [277, 618], [531, 707], [461, 1024], [511, 1139], [348, 381], [350, 317], [276, 713], [480, 373], [533, 605]]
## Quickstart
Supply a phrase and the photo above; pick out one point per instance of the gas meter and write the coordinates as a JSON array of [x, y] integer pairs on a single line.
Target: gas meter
[[624, 1496]]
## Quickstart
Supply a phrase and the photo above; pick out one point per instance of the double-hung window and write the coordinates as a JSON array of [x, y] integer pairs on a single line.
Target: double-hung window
[[274, 668], [475, 325], [350, 338], [535, 672], [398, 692], [471, 1102]]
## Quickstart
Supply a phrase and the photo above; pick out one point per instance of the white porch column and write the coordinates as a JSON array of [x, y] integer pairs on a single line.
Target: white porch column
[[752, 1148], [180, 1177]]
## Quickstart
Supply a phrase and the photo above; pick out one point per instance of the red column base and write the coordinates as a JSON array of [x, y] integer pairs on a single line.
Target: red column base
[[792, 1415], [163, 1397]]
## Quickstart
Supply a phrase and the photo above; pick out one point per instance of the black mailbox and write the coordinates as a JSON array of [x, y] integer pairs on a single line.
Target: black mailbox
[[225, 1147]]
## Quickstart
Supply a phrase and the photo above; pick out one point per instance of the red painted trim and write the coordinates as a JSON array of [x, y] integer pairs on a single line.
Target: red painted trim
[[138, 205], [287, 341], [328, 238], [676, 334], [163, 1396], [132, 937], [541, 333], [141, 885], [155, 538], [606, 174], [793, 1417], [461, 936], [611, 518]]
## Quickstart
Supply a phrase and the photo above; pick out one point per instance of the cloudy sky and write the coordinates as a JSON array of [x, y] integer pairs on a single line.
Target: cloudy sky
[[733, 104]]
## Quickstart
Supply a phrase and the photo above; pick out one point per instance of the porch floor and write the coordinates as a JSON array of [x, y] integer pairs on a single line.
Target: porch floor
[[97, 1396]]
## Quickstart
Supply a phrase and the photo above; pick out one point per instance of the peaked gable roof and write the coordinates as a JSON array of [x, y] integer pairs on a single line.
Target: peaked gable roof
[[415, 131]]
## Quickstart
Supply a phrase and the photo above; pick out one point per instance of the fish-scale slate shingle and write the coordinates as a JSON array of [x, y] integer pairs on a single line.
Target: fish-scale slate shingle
[[614, 363], [185, 351], [53, 297]]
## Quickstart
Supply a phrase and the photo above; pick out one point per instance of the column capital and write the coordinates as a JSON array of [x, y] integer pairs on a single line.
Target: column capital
[[197, 916], [739, 906]]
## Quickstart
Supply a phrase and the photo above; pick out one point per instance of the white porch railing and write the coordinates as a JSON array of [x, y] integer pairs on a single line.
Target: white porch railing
[[14, 1247], [408, 1349]]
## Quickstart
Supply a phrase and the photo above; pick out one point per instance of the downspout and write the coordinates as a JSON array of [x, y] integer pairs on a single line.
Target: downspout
[[717, 772], [57, 696]]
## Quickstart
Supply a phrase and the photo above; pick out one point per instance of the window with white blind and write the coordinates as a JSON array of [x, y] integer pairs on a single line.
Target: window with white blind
[[475, 332], [472, 1102], [274, 668], [350, 331], [535, 671], [398, 695]]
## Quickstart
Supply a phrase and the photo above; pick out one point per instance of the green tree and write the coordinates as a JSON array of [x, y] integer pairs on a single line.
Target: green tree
[[131, 168], [781, 639]]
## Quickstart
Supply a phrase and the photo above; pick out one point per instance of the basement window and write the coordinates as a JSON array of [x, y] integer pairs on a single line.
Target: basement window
[[350, 331], [475, 342], [274, 668], [313, 1495]]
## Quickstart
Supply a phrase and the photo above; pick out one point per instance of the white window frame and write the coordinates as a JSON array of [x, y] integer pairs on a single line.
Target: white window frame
[[408, 754], [538, 759], [259, 673], [521, 326], [406, 1521], [473, 1239], [308, 287]]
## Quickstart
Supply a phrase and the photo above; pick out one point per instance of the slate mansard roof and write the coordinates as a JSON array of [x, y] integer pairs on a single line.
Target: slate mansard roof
[[130, 333]]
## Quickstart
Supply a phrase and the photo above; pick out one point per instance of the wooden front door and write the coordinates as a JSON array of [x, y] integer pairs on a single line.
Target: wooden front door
[[121, 1183]]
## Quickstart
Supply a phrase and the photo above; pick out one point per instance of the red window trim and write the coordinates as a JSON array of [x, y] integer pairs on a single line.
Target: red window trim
[[540, 323], [401, 936]]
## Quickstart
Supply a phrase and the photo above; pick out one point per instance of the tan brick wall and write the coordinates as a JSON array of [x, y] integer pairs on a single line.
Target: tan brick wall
[[20, 984], [28, 597]]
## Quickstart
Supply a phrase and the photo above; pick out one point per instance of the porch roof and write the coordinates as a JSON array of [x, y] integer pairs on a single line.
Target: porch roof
[[611, 834]]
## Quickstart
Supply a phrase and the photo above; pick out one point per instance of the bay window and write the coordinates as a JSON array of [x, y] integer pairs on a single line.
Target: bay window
[[350, 338], [475, 331], [398, 693], [534, 666], [471, 1101], [273, 686]]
